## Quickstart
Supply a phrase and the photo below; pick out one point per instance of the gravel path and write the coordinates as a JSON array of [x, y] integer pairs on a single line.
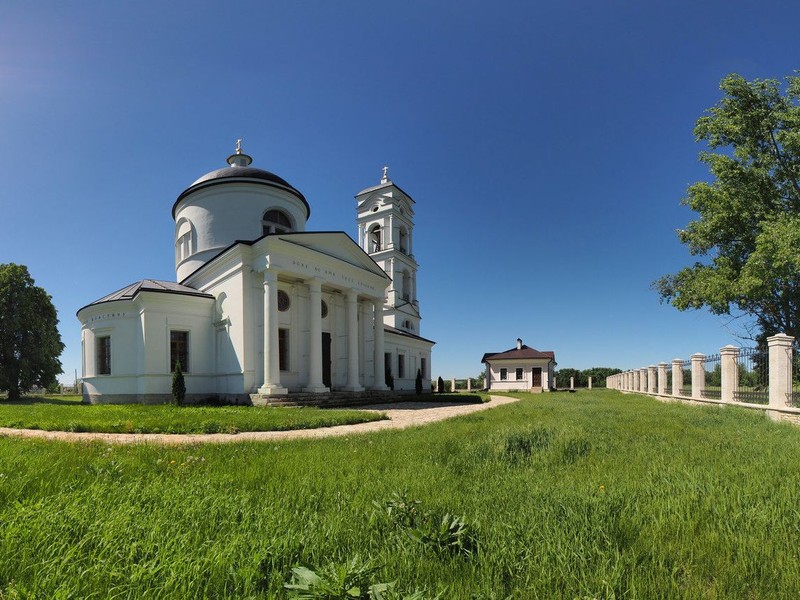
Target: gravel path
[[401, 415]]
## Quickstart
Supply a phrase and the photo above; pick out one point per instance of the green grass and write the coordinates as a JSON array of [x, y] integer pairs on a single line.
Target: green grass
[[587, 495], [65, 413]]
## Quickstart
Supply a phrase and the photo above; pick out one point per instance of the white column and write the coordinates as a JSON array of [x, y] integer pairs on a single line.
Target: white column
[[651, 379], [380, 375], [272, 372], [677, 377], [453, 385], [643, 380], [729, 367], [352, 342], [590, 383], [780, 370], [315, 384], [662, 378], [572, 383], [469, 384], [698, 374]]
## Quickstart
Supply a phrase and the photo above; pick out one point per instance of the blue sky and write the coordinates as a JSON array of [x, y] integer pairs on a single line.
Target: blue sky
[[547, 145]]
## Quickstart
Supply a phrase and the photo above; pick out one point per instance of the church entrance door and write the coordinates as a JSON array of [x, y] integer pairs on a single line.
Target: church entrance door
[[326, 359]]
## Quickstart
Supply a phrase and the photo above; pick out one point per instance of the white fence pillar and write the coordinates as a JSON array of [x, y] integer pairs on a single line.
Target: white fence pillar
[[662, 378], [453, 385], [677, 377], [698, 375], [590, 383], [780, 370], [469, 384], [643, 380], [729, 367], [572, 383], [651, 379]]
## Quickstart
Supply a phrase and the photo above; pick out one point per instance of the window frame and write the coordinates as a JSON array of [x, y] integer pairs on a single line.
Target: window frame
[[273, 226], [102, 343], [519, 373], [184, 354], [503, 374]]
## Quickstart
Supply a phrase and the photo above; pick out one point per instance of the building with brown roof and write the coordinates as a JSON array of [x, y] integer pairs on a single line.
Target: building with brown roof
[[520, 368]]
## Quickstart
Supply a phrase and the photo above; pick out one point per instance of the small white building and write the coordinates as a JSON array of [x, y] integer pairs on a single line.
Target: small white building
[[261, 306], [520, 368]]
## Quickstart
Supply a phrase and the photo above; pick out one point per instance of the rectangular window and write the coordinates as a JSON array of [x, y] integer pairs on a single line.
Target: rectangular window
[[401, 366], [179, 350], [503, 374], [519, 374], [283, 349], [103, 349], [423, 367]]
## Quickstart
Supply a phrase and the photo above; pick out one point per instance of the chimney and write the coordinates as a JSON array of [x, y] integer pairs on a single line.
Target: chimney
[[519, 344]]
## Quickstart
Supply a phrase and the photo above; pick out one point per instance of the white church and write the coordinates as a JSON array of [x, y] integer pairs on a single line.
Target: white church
[[261, 307]]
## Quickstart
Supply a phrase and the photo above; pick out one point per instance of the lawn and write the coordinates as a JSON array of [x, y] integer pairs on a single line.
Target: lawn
[[65, 413], [588, 495]]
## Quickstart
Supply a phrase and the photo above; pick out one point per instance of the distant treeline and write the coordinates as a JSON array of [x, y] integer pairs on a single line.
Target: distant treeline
[[598, 375]]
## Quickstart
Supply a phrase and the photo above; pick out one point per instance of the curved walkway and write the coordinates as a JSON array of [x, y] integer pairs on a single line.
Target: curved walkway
[[400, 416]]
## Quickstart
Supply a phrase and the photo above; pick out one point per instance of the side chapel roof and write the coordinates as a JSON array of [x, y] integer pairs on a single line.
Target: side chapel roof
[[129, 292]]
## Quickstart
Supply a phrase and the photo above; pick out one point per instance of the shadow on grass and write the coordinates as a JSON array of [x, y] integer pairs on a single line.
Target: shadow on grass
[[29, 400]]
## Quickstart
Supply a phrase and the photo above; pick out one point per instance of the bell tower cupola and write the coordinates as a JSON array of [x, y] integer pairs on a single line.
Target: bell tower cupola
[[386, 232]]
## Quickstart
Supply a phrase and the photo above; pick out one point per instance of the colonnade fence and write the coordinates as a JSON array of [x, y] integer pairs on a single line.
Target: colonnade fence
[[758, 378]]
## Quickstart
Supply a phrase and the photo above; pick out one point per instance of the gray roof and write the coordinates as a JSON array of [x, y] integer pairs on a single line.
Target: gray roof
[[236, 173], [149, 285]]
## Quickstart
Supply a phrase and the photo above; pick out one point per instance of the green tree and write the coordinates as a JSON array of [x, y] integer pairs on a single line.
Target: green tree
[[30, 344], [748, 229]]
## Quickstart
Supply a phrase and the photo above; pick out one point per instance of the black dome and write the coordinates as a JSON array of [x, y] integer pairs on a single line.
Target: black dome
[[237, 173]]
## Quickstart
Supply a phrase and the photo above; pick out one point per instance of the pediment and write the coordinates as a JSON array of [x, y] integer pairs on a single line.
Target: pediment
[[336, 244]]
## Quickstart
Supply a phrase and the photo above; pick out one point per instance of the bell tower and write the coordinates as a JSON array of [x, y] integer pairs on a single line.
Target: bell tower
[[386, 232]]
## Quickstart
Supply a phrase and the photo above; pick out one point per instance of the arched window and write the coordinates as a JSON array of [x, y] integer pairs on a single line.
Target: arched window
[[275, 221], [184, 244], [406, 286], [403, 240], [375, 238]]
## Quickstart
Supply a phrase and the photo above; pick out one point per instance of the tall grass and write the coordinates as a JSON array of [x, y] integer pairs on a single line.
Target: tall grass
[[587, 495]]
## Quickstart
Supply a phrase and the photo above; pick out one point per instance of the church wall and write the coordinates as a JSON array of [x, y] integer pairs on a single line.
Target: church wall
[[231, 338], [413, 351], [145, 322]]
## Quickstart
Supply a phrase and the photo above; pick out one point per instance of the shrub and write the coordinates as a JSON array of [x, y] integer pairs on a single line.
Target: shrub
[[418, 383], [440, 385], [178, 385]]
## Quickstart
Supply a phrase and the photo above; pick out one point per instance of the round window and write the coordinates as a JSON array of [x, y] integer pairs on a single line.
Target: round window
[[324, 309], [283, 301]]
